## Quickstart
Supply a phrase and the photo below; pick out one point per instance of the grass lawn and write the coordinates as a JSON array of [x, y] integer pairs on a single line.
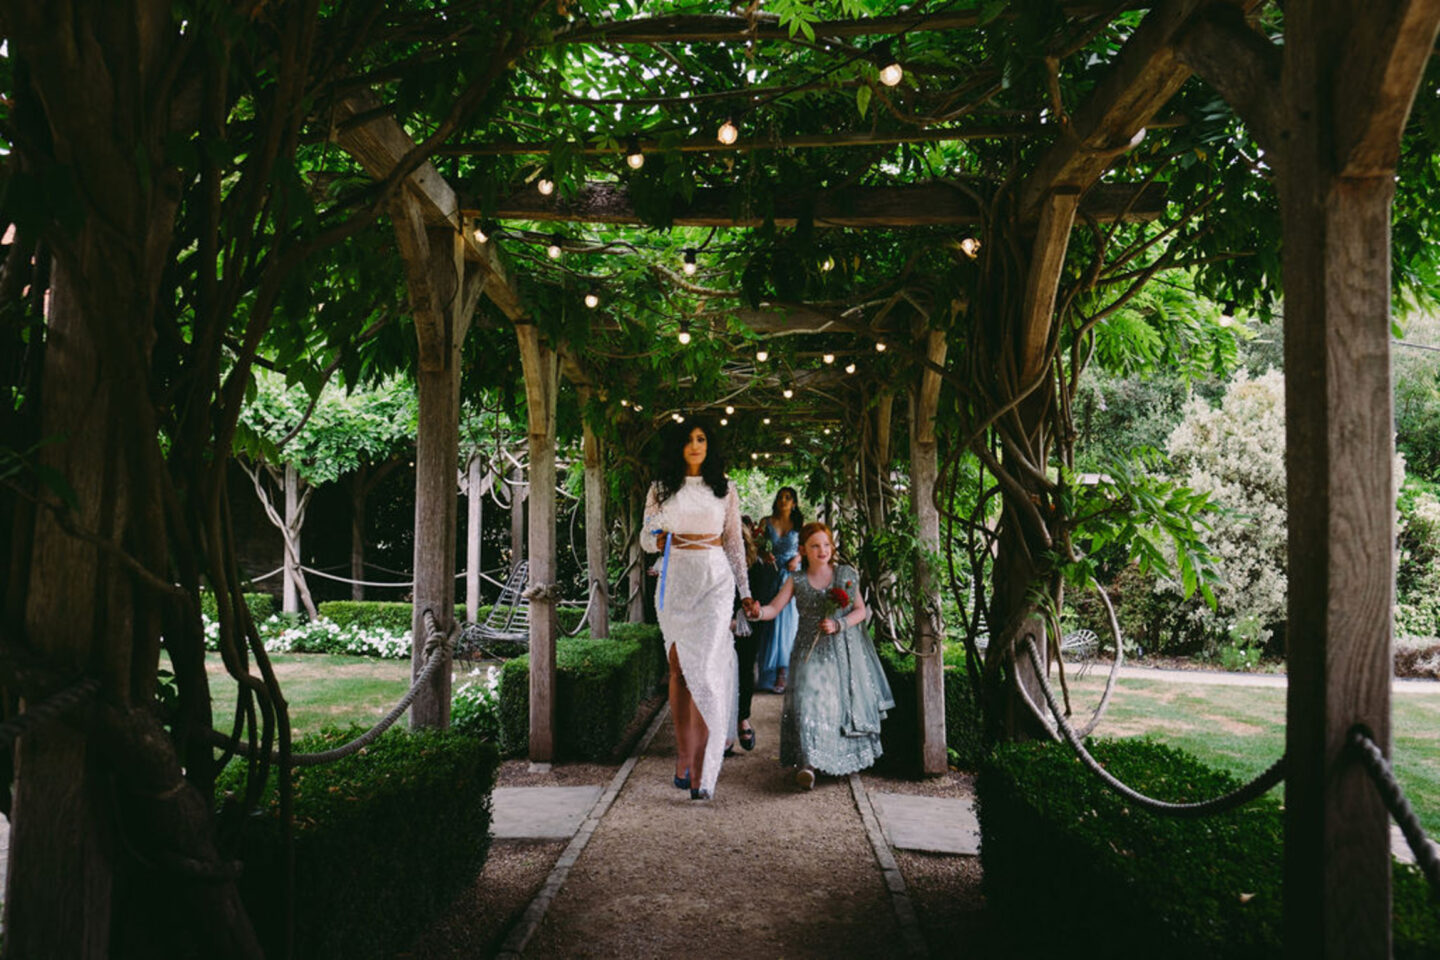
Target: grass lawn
[[1242, 729], [322, 689]]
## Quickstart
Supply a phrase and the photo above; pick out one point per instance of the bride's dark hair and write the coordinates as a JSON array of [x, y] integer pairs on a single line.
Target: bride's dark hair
[[670, 469]]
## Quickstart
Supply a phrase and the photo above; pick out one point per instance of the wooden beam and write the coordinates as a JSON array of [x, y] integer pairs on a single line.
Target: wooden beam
[[599, 588], [541, 366], [1143, 78], [1386, 52], [379, 145], [720, 28], [1047, 259], [709, 144], [1242, 65], [855, 207]]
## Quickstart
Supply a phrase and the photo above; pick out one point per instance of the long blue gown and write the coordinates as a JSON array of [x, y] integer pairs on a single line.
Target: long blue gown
[[837, 693], [775, 654]]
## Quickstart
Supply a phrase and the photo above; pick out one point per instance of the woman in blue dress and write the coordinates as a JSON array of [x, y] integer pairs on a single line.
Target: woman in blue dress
[[782, 528], [830, 721]]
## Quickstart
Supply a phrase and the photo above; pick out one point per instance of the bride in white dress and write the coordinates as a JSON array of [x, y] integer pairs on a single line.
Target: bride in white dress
[[693, 510]]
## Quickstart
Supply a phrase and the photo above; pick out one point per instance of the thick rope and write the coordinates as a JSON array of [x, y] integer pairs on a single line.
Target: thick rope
[[436, 643], [1394, 797], [56, 705], [1235, 798]]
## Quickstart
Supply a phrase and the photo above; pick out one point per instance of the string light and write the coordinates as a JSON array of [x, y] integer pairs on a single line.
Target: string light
[[827, 431], [724, 422], [553, 250], [546, 187], [849, 368], [638, 408], [970, 247], [684, 336], [729, 410], [633, 156], [480, 235], [624, 402], [828, 358], [689, 265], [787, 441], [677, 418], [879, 346], [766, 421], [827, 265], [754, 456], [728, 133], [592, 299], [762, 355], [788, 393], [890, 71]]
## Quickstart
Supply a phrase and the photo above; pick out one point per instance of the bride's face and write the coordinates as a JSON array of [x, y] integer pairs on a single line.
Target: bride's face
[[695, 450], [818, 550]]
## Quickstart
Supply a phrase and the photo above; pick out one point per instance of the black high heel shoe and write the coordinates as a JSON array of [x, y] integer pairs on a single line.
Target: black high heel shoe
[[683, 783], [747, 738]]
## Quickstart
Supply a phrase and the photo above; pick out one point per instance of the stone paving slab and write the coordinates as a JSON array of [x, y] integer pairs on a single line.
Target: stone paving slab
[[929, 824], [541, 812], [1400, 847]]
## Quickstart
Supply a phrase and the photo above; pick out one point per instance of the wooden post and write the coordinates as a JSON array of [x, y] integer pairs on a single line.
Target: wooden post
[[599, 577], [475, 517], [541, 364], [929, 631], [881, 419], [441, 301], [358, 490], [290, 594], [635, 611], [519, 488], [1349, 77]]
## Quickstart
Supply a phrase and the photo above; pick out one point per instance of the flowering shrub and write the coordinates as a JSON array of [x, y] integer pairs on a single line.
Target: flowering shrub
[[284, 635], [1236, 453], [475, 704]]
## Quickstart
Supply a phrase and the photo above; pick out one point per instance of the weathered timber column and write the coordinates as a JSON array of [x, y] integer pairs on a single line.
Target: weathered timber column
[[541, 385], [435, 270], [474, 519], [357, 532], [519, 488], [882, 417], [595, 535], [635, 557], [1349, 77], [929, 631]]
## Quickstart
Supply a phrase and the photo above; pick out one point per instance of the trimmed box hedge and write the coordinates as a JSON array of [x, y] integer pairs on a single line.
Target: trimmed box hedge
[[1112, 880], [385, 841], [261, 605], [396, 616], [964, 727], [599, 685]]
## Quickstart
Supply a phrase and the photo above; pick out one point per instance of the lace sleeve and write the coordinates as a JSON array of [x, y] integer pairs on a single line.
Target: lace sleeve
[[734, 543], [652, 520]]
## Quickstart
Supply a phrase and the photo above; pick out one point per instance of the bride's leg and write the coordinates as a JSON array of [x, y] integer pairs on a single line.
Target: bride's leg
[[681, 707], [699, 737]]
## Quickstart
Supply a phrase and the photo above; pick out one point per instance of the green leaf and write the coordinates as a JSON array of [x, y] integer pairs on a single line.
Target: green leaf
[[862, 99]]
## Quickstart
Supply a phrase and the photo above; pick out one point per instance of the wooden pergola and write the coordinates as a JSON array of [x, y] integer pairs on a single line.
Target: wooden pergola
[[1346, 77]]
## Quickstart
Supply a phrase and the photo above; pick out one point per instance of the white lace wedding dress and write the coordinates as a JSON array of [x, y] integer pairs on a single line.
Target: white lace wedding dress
[[700, 586]]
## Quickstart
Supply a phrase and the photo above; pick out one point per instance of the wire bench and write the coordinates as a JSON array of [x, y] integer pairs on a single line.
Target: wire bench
[[1081, 646], [508, 620]]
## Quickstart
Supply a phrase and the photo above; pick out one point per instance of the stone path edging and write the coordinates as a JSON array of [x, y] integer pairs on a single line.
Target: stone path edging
[[514, 945], [894, 880]]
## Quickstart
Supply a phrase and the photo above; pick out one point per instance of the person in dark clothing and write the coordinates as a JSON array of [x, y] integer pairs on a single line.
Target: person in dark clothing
[[765, 579]]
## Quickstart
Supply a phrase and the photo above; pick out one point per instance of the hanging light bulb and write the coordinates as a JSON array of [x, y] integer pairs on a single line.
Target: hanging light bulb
[[724, 422], [684, 335], [480, 235], [970, 246], [729, 410], [828, 358], [677, 418], [592, 299], [827, 265], [688, 264], [754, 456], [766, 421], [879, 346], [624, 402], [762, 355], [553, 250], [633, 156], [545, 186], [827, 431], [788, 393], [638, 408], [728, 133], [890, 69], [849, 368]]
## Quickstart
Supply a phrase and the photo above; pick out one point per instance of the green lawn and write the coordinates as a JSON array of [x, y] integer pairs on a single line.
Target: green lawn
[[1242, 729], [322, 689]]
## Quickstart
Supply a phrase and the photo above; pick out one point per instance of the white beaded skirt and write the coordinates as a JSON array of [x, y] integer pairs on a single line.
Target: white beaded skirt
[[698, 602]]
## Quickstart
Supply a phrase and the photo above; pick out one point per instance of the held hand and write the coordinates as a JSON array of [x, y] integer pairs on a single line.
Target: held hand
[[793, 563], [829, 625], [751, 608]]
